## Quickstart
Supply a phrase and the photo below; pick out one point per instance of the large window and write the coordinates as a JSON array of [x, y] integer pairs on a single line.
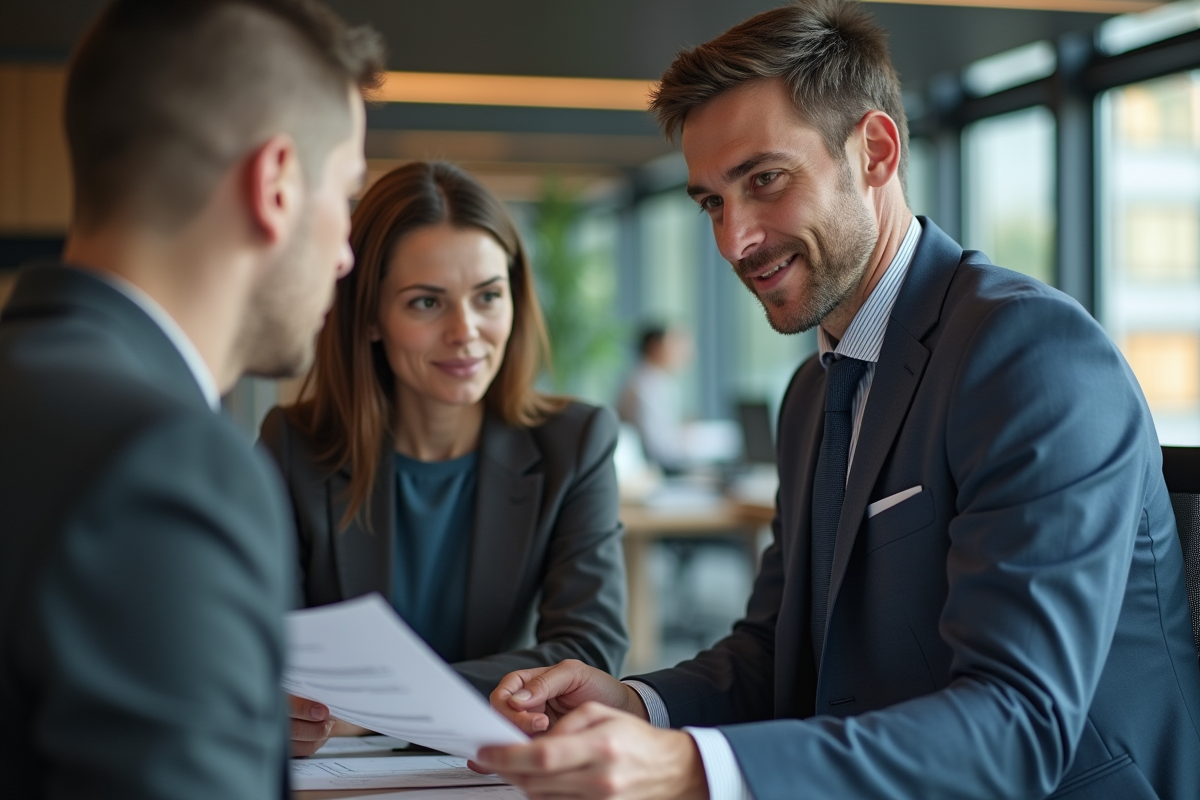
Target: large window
[[1009, 190], [1150, 243], [671, 275], [765, 359], [922, 176]]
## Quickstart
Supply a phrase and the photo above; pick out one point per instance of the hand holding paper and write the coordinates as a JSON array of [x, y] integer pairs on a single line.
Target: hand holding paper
[[369, 668]]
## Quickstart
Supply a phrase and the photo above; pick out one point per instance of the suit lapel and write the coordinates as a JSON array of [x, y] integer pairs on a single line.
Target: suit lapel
[[901, 364], [365, 556], [506, 514]]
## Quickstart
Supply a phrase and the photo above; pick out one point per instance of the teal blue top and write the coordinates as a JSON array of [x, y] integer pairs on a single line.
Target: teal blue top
[[435, 506]]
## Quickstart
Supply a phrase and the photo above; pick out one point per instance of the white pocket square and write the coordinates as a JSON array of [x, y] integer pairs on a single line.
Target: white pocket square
[[891, 500]]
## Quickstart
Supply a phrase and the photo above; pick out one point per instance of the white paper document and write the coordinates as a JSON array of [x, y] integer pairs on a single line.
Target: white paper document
[[392, 772], [360, 745], [464, 793], [369, 668]]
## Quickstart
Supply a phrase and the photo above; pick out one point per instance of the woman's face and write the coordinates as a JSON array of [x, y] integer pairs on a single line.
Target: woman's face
[[445, 314]]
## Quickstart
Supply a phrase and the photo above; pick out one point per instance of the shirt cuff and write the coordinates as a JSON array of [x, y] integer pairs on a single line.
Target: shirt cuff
[[725, 779], [655, 707]]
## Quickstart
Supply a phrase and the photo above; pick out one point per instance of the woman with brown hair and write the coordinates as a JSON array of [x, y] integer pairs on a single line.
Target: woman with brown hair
[[421, 462]]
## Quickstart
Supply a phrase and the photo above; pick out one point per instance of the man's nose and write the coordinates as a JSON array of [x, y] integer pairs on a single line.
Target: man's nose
[[737, 233]]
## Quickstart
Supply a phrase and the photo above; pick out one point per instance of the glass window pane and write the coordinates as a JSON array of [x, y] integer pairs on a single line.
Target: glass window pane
[[670, 237], [922, 180], [1150, 243], [765, 359], [1009, 190]]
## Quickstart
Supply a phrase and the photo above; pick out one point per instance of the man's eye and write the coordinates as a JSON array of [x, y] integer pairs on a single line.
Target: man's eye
[[709, 203], [766, 178]]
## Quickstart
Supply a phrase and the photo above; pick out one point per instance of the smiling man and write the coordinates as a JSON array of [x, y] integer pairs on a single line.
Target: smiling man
[[215, 145], [975, 588]]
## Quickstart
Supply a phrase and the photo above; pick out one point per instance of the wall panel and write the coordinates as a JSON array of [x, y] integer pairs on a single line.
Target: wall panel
[[35, 184]]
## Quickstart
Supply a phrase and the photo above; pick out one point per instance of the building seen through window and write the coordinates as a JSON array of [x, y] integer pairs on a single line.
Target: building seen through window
[[1150, 243], [1009, 190]]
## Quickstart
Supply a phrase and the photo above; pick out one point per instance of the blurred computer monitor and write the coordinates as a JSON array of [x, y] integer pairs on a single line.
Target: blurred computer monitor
[[758, 441]]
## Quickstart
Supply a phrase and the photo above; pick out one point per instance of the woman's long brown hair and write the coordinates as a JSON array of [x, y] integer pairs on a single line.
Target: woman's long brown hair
[[348, 398]]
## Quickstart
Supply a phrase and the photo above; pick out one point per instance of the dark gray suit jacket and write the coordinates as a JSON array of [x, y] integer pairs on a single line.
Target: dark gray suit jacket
[[144, 579], [1019, 627], [546, 577]]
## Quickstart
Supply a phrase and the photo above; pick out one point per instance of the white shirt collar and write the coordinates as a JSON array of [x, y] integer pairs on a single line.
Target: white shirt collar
[[864, 337], [170, 328]]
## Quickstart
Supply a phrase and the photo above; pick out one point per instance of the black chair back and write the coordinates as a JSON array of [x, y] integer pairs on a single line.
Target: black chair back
[[1181, 468]]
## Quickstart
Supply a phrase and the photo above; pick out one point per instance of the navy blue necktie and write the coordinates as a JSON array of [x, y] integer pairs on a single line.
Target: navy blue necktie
[[829, 485]]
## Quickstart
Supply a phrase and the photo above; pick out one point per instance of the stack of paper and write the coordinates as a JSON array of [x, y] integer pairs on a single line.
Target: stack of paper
[[395, 772], [361, 746], [464, 793]]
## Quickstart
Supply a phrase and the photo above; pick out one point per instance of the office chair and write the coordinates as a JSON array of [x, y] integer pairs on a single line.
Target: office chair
[[1181, 468]]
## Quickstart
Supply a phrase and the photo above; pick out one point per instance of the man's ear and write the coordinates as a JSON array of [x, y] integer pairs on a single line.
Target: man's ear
[[880, 154], [276, 187]]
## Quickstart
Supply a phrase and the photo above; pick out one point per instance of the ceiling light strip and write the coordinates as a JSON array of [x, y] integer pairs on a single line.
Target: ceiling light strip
[[514, 90]]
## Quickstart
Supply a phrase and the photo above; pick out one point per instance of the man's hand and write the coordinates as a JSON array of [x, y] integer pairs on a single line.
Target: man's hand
[[597, 753], [535, 699], [312, 726]]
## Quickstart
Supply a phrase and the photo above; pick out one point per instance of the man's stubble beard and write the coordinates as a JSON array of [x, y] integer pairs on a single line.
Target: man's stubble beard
[[846, 236], [277, 339]]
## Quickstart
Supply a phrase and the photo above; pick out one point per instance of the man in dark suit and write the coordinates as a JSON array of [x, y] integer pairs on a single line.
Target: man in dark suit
[[975, 588], [146, 565]]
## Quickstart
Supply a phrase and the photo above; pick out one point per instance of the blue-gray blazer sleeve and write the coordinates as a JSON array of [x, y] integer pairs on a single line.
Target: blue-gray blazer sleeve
[[179, 697], [1046, 438]]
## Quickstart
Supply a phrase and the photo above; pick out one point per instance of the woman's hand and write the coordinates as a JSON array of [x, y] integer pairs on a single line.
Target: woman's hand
[[312, 726]]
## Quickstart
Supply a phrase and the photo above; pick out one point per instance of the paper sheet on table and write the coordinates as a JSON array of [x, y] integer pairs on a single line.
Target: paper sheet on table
[[465, 793], [360, 659], [392, 772], [360, 745]]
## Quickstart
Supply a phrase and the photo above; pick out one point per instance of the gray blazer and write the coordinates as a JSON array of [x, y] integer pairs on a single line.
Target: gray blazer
[[1016, 628], [143, 580], [546, 579]]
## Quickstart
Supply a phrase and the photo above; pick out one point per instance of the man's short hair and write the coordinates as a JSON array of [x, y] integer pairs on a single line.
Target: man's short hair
[[163, 98], [651, 336], [832, 55]]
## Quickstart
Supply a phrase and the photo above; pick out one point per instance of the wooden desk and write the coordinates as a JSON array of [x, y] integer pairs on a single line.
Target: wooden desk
[[330, 795], [643, 527], [346, 793]]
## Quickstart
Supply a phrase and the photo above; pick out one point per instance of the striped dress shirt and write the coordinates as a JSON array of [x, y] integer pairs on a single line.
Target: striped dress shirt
[[864, 337]]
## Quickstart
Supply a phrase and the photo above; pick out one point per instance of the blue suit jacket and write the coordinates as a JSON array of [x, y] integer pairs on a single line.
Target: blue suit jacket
[[1016, 629]]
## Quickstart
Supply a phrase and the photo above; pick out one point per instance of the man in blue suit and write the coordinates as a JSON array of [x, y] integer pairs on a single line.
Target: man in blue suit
[[975, 588]]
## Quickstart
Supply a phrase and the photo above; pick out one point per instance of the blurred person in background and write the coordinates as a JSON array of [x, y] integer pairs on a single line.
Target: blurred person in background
[[145, 572], [422, 464], [650, 400]]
